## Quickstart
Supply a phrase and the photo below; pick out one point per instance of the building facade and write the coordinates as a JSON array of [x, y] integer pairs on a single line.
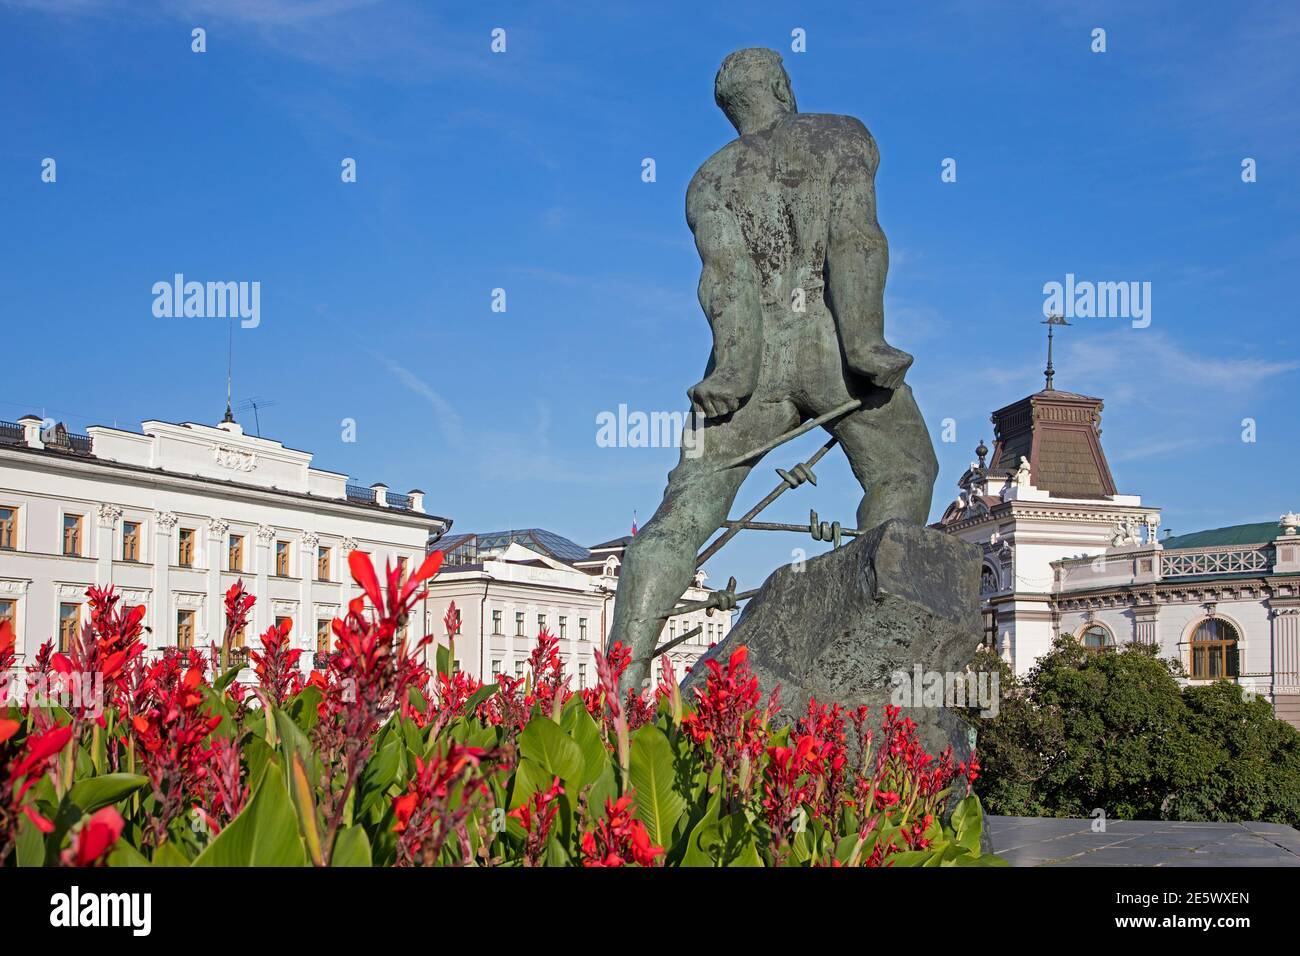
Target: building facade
[[172, 516], [1225, 603], [1064, 553], [509, 585]]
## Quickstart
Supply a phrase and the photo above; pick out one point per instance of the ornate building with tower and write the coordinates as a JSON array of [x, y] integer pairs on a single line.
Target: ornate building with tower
[[1065, 553]]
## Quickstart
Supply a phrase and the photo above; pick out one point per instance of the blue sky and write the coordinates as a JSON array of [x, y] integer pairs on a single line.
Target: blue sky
[[522, 171]]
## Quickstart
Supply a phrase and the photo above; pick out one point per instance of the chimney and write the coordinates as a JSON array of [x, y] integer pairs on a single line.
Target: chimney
[[32, 430], [381, 493], [417, 500]]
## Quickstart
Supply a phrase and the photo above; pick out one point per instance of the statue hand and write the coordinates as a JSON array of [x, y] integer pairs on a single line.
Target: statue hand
[[720, 393], [883, 364]]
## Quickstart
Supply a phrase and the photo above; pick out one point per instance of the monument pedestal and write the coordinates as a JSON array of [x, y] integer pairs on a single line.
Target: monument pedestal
[[845, 624]]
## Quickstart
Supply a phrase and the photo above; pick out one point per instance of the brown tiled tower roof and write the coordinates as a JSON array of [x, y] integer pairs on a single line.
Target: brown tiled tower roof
[[1060, 434]]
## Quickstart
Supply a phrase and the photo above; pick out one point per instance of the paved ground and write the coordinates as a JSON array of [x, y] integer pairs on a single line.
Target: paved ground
[[1044, 841]]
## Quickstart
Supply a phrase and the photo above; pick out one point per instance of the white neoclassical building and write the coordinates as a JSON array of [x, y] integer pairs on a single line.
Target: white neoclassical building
[[172, 516], [1066, 553], [508, 585]]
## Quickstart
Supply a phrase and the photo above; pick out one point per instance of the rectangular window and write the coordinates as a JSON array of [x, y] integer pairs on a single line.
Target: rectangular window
[[9, 612], [185, 630], [519, 668], [130, 541], [235, 553], [282, 559], [563, 623], [185, 548], [280, 619], [322, 563], [541, 623], [69, 622], [496, 668], [237, 639], [72, 535], [672, 630], [496, 622], [582, 628], [582, 677], [9, 529], [323, 633], [519, 623], [401, 567]]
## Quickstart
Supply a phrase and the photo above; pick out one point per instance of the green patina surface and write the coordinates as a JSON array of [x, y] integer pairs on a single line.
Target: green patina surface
[[1237, 534]]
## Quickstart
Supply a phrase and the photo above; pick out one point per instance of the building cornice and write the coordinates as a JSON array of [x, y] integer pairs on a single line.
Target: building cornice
[[1253, 588], [145, 477]]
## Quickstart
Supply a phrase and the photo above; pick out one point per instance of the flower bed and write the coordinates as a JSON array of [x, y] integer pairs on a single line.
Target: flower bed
[[377, 759]]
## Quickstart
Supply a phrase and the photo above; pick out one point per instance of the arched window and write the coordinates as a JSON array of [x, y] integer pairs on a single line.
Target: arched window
[[989, 580], [1095, 637], [1214, 650]]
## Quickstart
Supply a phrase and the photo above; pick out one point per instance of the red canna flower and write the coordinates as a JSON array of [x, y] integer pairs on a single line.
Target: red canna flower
[[369, 676], [278, 674], [239, 604], [172, 729], [446, 789], [535, 815], [6, 657], [451, 621], [26, 765], [96, 837], [726, 728], [619, 839]]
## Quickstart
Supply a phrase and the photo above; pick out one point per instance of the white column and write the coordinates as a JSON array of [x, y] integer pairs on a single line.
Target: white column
[[108, 516], [304, 629], [218, 536], [164, 626], [262, 614]]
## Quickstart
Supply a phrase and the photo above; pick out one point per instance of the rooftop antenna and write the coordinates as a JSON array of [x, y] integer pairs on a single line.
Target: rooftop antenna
[[1050, 322], [255, 403], [230, 353]]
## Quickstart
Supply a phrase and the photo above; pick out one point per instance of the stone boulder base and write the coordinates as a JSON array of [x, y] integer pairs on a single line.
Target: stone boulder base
[[841, 626]]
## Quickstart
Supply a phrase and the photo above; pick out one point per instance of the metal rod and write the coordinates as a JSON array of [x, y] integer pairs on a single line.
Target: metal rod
[[812, 423], [783, 526], [677, 640], [733, 528], [704, 605]]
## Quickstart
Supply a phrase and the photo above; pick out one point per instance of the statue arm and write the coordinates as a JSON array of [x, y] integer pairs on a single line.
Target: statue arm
[[857, 260], [729, 295]]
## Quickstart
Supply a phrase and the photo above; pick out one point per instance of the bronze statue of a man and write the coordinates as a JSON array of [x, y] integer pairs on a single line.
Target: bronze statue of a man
[[793, 284]]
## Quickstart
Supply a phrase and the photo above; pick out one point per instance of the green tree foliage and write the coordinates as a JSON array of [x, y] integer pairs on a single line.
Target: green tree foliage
[[1116, 731]]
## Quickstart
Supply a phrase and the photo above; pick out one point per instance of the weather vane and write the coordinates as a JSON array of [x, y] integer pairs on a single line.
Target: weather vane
[[1050, 321]]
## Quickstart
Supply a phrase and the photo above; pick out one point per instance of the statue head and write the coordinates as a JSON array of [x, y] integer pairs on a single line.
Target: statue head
[[753, 89]]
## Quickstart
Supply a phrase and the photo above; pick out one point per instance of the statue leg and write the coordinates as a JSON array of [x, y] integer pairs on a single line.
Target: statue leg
[[660, 561], [889, 450]]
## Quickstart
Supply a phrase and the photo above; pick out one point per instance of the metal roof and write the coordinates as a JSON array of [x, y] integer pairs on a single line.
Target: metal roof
[[1262, 533]]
